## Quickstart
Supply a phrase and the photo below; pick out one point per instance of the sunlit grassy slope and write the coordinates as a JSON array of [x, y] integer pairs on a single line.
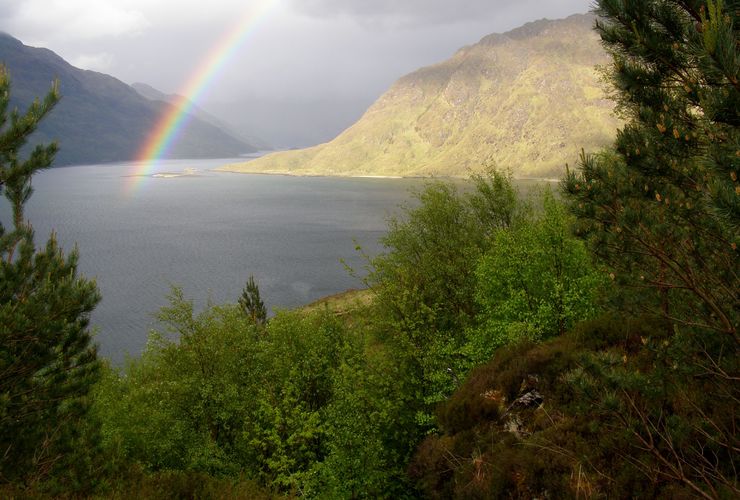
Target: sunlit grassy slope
[[528, 100], [342, 303]]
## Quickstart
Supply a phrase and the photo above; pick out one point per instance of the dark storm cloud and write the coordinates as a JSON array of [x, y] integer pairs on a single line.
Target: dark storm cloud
[[433, 11]]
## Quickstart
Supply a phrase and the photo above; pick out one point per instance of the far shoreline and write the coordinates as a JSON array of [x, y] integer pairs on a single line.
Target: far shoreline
[[370, 176]]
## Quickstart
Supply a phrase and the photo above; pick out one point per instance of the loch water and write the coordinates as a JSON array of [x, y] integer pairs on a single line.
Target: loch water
[[181, 223]]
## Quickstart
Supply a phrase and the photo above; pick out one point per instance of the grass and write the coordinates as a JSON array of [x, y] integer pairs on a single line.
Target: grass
[[341, 304]]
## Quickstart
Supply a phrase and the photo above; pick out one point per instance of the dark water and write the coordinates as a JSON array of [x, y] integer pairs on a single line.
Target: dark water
[[207, 233]]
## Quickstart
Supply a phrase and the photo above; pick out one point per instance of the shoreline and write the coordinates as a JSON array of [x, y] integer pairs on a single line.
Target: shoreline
[[370, 176], [221, 170]]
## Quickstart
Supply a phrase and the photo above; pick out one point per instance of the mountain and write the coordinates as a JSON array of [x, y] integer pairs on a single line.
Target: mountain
[[528, 100], [99, 118], [153, 94]]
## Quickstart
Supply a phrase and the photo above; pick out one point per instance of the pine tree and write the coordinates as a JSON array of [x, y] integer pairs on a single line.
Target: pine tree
[[251, 303], [661, 210], [47, 360]]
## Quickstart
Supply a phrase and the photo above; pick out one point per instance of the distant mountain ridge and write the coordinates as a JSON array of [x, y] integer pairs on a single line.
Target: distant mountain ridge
[[153, 94], [527, 100], [99, 118]]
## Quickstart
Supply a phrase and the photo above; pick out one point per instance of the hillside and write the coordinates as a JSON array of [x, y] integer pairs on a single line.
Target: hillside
[[91, 101], [528, 100]]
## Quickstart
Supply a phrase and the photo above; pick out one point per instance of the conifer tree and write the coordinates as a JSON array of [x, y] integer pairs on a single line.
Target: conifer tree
[[47, 360], [661, 210], [251, 303]]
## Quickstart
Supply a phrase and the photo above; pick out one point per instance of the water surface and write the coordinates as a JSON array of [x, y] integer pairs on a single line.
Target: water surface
[[207, 233]]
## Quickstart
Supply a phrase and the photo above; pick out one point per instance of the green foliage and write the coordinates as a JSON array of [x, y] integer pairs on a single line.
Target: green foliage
[[297, 364], [252, 304], [661, 209], [371, 429], [47, 360], [535, 282], [467, 273], [425, 282], [274, 403], [494, 200], [425, 276], [183, 405], [133, 482], [173, 485]]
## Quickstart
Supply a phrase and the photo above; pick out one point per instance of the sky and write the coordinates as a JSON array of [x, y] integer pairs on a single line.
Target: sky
[[299, 53]]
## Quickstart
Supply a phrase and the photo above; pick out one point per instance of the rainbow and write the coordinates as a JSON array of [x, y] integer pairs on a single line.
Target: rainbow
[[172, 122]]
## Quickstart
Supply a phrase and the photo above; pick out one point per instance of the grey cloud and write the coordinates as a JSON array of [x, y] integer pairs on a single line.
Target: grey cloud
[[431, 11], [422, 11], [8, 8]]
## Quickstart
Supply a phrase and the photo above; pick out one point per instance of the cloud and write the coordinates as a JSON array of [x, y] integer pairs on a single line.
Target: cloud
[[8, 8], [102, 61], [422, 11], [426, 11], [72, 19]]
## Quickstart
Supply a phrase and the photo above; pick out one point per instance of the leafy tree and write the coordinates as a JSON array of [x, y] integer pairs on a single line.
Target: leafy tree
[[184, 404], [367, 457], [535, 282], [298, 360], [47, 360], [425, 282], [224, 397], [252, 304], [495, 201]]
